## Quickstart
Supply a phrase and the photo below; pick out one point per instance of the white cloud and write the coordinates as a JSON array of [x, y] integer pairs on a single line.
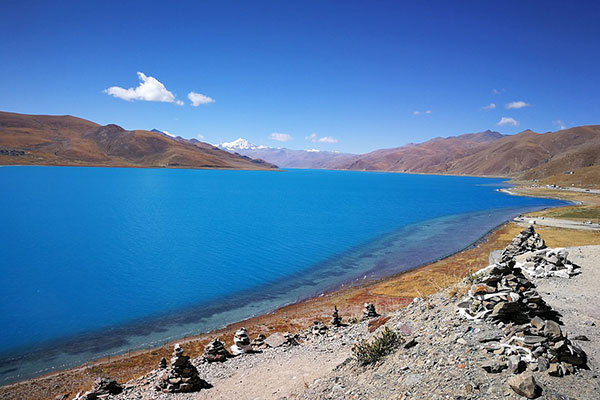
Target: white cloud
[[198, 99], [312, 137], [559, 124], [495, 91], [517, 104], [417, 112], [490, 106], [149, 89], [199, 136], [281, 137], [328, 139], [427, 111], [508, 121], [325, 139]]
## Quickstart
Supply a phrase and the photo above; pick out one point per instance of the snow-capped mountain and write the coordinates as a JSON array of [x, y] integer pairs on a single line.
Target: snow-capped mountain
[[240, 144], [287, 158]]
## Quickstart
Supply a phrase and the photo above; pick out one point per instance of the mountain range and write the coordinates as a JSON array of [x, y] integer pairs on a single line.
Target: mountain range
[[525, 155], [66, 140], [288, 158]]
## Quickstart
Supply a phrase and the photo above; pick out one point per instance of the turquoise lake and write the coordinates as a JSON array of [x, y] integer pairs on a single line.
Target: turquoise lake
[[99, 261]]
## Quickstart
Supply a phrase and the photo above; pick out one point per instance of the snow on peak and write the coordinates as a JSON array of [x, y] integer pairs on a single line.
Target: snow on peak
[[313, 150], [240, 144]]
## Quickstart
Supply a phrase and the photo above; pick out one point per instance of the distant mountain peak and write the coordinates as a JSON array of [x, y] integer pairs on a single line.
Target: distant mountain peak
[[240, 144]]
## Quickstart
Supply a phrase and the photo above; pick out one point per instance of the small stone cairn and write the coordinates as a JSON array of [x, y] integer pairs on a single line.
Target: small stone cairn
[[318, 328], [102, 389], [526, 241], [369, 311], [548, 262], [335, 318], [259, 342], [502, 295], [162, 364], [215, 351], [181, 376], [241, 342]]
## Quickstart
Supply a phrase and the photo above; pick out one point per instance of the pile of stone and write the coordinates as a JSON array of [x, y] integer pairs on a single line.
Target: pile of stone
[[102, 389], [259, 342], [318, 328], [215, 351], [241, 342], [181, 375], [501, 294], [369, 311], [526, 241], [335, 318], [548, 262]]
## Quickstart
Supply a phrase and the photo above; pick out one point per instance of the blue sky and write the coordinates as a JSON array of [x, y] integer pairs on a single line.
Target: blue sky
[[359, 75]]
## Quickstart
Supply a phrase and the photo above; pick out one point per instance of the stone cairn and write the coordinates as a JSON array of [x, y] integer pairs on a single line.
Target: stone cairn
[[526, 241], [335, 318], [318, 328], [162, 364], [369, 311], [215, 351], [502, 295], [259, 342], [181, 376], [241, 342], [548, 262], [103, 387]]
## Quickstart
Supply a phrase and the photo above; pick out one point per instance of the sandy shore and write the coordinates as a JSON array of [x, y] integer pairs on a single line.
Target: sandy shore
[[388, 294]]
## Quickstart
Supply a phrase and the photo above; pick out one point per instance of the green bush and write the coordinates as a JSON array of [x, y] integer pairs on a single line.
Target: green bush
[[367, 353]]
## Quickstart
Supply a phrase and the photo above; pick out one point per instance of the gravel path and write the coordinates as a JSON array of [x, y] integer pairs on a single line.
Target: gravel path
[[557, 223]]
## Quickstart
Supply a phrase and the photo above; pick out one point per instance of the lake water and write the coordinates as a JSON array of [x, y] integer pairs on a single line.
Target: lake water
[[97, 261]]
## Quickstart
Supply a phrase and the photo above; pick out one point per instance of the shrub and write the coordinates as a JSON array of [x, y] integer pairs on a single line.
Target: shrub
[[368, 353]]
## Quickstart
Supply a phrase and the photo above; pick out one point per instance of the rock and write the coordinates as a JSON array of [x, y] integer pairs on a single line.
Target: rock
[[181, 376], [581, 338], [215, 351], [335, 317], [241, 342], [494, 367], [543, 364], [525, 385], [162, 364], [552, 330], [259, 342], [554, 370], [369, 311], [276, 340], [537, 323], [318, 328], [515, 364]]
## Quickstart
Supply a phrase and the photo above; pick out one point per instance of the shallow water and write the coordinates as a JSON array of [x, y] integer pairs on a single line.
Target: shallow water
[[97, 261]]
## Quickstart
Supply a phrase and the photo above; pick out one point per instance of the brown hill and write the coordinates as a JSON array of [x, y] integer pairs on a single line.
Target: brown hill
[[527, 155], [433, 156], [66, 140]]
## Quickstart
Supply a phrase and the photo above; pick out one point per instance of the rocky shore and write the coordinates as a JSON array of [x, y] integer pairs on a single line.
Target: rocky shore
[[498, 334]]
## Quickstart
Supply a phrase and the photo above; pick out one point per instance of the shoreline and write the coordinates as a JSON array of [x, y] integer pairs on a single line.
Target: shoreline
[[182, 323], [301, 314]]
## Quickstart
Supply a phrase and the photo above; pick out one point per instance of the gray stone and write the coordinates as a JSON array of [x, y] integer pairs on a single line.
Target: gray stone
[[525, 385]]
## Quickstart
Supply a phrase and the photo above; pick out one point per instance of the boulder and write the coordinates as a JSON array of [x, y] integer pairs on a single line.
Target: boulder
[[525, 385]]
